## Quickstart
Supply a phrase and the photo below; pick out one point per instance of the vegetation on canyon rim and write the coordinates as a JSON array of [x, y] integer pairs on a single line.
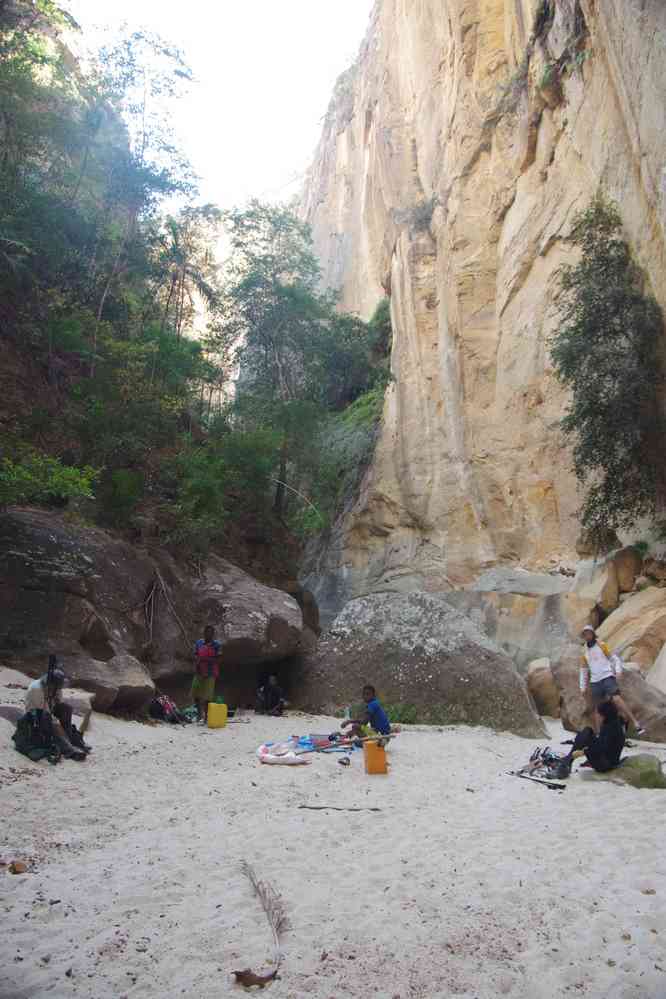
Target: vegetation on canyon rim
[[107, 265], [607, 351]]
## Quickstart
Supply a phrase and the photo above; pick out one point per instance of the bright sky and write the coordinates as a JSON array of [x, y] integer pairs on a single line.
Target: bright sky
[[265, 72]]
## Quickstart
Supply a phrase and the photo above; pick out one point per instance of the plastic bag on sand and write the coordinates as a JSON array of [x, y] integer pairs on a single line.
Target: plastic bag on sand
[[280, 754]]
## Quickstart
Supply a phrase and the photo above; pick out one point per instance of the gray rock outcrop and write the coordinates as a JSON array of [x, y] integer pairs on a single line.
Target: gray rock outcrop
[[420, 653]]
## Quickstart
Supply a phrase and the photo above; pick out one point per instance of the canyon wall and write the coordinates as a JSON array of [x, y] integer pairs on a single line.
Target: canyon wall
[[454, 155]]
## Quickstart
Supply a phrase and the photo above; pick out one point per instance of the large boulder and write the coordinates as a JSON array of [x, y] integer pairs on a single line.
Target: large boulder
[[76, 591], [121, 684], [637, 629], [640, 771], [543, 689], [598, 583], [646, 702], [255, 623], [628, 566], [421, 653]]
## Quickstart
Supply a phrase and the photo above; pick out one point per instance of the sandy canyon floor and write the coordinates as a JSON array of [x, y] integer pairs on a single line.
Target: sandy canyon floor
[[467, 882]]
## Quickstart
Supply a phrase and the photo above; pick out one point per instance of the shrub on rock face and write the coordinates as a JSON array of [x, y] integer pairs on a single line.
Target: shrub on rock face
[[419, 651], [607, 352]]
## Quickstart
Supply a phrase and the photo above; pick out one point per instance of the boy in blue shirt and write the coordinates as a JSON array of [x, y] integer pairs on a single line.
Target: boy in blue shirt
[[375, 716]]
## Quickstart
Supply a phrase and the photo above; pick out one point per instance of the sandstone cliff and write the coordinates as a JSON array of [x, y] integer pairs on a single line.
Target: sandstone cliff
[[454, 155]]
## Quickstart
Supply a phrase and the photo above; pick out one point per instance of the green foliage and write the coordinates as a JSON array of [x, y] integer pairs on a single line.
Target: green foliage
[[229, 475], [103, 284], [339, 453], [381, 329], [607, 352], [38, 478], [418, 217], [300, 358], [550, 74], [405, 714], [642, 547], [119, 495]]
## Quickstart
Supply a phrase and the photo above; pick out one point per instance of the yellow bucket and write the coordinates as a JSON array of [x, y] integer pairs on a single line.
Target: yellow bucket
[[217, 715]]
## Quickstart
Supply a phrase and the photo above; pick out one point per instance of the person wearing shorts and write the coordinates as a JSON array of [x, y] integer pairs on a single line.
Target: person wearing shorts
[[598, 675], [207, 652]]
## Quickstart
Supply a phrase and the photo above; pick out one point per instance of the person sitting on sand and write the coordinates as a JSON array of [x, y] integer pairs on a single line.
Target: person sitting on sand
[[603, 751], [375, 716], [598, 675], [207, 652], [270, 699], [44, 697]]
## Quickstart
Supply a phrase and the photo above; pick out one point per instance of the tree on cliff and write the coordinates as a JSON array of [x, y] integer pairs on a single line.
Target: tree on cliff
[[607, 352], [299, 357]]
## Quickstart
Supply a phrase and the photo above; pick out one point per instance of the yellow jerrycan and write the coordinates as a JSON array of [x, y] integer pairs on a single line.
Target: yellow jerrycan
[[217, 715]]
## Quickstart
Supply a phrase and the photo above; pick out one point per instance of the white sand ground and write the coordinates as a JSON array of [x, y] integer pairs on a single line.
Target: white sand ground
[[466, 883]]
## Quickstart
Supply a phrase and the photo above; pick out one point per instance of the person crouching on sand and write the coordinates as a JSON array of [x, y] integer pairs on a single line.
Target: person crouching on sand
[[603, 751], [375, 717], [44, 697], [598, 675], [207, 652]]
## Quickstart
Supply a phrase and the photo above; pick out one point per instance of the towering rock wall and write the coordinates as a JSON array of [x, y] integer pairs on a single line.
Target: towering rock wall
[[454, 155]]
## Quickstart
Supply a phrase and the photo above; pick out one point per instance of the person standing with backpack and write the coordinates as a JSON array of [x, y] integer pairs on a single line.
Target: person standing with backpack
[[598, 674]]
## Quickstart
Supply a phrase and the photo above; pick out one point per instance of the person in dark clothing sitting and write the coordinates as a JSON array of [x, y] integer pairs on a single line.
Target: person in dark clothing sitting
[[603, 751], [270, 699]]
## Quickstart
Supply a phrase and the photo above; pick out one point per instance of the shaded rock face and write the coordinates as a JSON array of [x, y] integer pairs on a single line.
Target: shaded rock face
[[420, 652], [646, 702], [92, 599], [543, 689], [76, 592], [447, 176], [257, 624]]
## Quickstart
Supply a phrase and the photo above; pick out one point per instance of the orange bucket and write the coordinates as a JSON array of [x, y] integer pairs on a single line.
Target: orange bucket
[[375, 758]]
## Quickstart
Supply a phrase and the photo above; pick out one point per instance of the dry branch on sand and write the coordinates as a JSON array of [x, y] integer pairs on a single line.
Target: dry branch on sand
[[273, 906]]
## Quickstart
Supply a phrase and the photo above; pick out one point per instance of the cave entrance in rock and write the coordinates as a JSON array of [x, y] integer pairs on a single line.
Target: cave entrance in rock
[[238, 683]]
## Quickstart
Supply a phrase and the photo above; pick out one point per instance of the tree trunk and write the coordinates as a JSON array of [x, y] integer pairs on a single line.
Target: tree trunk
[[107, 287], [168, 302], [280, 490]]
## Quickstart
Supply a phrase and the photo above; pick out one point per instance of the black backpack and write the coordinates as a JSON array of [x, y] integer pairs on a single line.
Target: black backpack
[[35, 738]]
